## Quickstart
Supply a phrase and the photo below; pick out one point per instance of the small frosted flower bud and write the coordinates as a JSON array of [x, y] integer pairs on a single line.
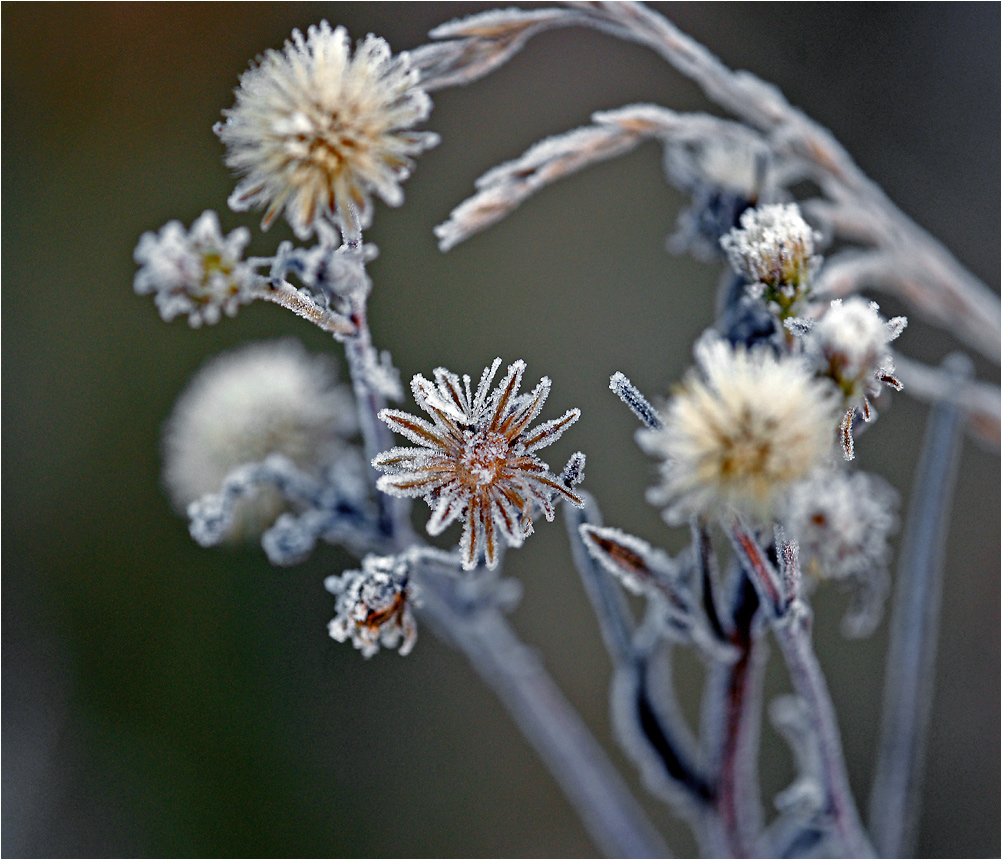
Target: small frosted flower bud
[[774, 250], [267, 398], [850, 345], [315, 130], [476, 460], [373, 606], [738, 432], [196, 272], [843, 523]]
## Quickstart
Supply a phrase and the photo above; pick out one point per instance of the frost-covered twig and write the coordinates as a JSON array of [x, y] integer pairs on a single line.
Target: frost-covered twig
[[580, 766], [894, 801], [791, 626]]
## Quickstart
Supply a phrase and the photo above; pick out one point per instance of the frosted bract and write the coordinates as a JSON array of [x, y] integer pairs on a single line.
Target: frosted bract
[[316, 131], [474, 461], [195, 273], [372, 606]]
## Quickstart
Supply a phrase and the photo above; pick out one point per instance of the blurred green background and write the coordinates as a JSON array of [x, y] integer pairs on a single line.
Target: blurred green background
[[160, 699]]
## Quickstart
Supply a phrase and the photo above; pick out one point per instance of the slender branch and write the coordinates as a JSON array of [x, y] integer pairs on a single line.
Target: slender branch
[[894, 802], [979, 401], [732, 699], [791, 627], [653, 737], [577, 762]]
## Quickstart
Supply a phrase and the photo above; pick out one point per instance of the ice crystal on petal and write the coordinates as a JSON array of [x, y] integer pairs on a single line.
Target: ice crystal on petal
[[244, 405], [739, 432], [475, 460], [315, 130], [373, 605], [197, 273]]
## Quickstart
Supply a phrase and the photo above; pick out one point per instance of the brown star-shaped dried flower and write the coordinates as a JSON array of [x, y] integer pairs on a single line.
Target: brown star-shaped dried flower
[[476, 458]]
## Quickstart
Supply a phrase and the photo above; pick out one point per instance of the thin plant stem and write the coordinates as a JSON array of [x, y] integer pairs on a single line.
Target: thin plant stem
[[613, 818], [791, 626], [911, 657]]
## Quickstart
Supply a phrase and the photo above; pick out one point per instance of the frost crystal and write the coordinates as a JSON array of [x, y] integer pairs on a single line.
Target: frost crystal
[[740, 432], [476, 459], [842, 523], [373, 606], [244, 405], [196, 272], [315, 130], [774, 250]]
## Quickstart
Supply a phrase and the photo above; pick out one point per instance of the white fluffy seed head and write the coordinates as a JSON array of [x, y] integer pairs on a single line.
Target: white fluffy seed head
[[316, 130], [243, 405], [739, 432]]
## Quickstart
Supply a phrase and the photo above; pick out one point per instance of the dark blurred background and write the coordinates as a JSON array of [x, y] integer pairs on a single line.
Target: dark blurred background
[[160, 699]]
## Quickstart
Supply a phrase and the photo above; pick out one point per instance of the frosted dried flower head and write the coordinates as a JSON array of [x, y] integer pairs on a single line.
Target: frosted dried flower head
[[842, 523], [244, 405], [315, 130], [774, 250], [195, 272], [850, 344], [738, 432], [475, 459], [373, 606]]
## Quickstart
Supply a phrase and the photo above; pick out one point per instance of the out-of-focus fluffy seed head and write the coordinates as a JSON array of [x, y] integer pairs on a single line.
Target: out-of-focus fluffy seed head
[[851, 345], [195, 272], [476, 460], [315, 130], [244, 405], [739, 432], [843, 523], [774, 250], [373, 606]]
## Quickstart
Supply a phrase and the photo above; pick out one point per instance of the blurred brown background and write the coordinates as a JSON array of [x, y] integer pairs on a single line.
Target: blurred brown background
[[160, 699]]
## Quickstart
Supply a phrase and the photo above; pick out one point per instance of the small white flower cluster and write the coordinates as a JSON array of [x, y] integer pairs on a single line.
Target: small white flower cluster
[[373, 606], [774, 250], [266, 398], [739, 431], [315, 130], [195, 272]]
